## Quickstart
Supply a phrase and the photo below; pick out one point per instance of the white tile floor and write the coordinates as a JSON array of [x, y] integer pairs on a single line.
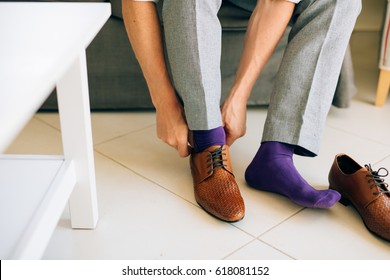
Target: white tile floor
[[146, 203]]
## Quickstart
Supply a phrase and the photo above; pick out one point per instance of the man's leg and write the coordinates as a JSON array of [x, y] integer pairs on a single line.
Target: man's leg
[[302, 96], [308, 75], [193, 40]]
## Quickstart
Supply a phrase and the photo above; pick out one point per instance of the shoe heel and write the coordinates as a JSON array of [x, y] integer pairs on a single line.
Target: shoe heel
[[344, 201]]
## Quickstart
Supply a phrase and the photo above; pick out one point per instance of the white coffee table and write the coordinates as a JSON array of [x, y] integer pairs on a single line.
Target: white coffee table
[[42, 46]]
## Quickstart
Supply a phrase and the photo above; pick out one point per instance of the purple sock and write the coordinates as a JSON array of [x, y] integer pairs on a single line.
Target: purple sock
[[207, 138], [273, 170]]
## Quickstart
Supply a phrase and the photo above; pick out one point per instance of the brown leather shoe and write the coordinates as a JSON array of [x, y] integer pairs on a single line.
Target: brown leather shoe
[[366, 190], [216, 190]]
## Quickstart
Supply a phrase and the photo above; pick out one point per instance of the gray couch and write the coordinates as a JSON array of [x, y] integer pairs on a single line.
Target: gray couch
[[116, 81]]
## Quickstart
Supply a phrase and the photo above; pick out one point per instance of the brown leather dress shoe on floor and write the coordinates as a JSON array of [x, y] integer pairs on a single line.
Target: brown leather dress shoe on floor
[[366, 190], [216, 190]]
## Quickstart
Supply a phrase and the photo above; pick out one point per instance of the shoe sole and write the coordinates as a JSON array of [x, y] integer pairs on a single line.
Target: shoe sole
[[218, 218], [346, 202]]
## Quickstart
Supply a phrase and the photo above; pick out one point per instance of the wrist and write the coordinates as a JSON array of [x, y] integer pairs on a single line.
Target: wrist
[[240, 93], [165, 100], [162, 93]]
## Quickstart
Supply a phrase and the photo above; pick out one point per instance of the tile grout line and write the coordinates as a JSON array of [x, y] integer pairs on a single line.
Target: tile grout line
[[46, 123], [235, 225], [123, 134], [278, 224], [281, 222], [142, 176], [379, 161], [104, 141], [277, 249], [245, 244], [159, 185], [356, 135], [136, 173], [255, 239]]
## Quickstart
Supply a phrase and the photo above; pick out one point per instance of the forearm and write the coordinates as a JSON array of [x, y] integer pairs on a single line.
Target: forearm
[[143, 29], [265, 29]]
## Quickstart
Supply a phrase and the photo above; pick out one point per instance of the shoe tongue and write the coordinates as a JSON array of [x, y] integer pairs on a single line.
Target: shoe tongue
[[213, 148]]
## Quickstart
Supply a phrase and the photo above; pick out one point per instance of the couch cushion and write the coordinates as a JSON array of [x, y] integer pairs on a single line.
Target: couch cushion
[[233, 17], [116, 8]]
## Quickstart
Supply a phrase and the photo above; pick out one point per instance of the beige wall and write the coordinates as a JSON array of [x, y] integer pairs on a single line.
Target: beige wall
[[371, 17]]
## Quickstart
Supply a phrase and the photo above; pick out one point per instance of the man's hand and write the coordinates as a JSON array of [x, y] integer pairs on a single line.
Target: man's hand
[[172, 128], [143, 28], [266, 26], [234, 119]]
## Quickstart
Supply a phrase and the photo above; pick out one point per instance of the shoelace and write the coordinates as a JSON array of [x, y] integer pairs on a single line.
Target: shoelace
[[377, 179], [215, 159]]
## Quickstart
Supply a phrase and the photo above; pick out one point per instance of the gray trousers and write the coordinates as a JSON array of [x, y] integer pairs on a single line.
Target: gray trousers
[[306, 80]]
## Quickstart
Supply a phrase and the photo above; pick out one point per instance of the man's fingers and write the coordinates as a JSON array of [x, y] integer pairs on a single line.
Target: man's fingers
[[229, 140], [183, 149], [182, 145]]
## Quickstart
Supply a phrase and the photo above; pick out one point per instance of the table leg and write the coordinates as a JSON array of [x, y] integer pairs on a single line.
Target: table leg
[[75, 118], [383, 87]]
